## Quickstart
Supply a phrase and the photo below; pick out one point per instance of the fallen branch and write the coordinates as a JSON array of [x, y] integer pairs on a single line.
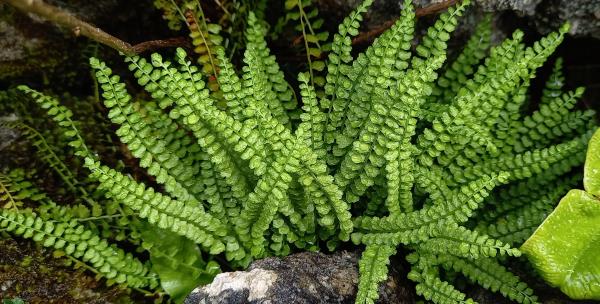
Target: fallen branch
[[368, 36], [81, 28]]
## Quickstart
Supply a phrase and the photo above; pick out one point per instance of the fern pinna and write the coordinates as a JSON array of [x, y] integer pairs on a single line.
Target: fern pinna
[[397, 152]]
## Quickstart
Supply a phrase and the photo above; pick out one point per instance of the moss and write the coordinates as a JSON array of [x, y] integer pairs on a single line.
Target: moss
[[35, 276]]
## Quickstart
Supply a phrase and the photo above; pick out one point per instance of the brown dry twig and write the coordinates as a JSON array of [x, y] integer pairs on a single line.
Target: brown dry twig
[[81, 28], [365, 37], [152, 45]]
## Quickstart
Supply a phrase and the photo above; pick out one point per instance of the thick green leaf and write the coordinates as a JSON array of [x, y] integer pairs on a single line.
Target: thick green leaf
[[565, 249], [177, 261], [591, 173]]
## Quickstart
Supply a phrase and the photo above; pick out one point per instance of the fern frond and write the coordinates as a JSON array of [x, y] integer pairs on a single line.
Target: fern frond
[[110, 261], [463, 112], [459, 241], [338, 80], [553, 120], [7, 197], [262, 101], [431, 181], [425, 223], [493, 276], [555, 83], [372, 270], [209, 124], [368, 128], [153, 151], [312, 118], [62, 116], [443, 138], [340, 56], [517, 226], [231, 86], [521, 208], [524, 165], [464, 66], [46, 153], [189, 221], [205, 38], [255, 35], [348, 111], [434, 42], [314, 38], [170, 13], [432, 288], [529, 192], [15, 187]]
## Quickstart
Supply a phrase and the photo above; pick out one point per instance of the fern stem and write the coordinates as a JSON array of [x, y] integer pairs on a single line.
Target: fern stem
[[303, 17], [7, 194]]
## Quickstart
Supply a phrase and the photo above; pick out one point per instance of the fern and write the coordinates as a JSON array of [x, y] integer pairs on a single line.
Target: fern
[[110, 261], [492, 276], [395, 152], [314, 38], [523, 208], [205, 35], [456, 150], [374, 262], [68, 235], [7, 197], [50, 157], [430, 286], [554, 84]]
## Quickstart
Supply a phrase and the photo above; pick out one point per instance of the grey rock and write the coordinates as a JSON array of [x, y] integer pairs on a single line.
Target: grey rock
[[307, 277], [543, 15], [584, 16], [30, 46], [526, 7], [312, 278], [7, 135]]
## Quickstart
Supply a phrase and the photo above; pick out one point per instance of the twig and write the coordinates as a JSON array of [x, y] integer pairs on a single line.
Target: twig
[[297, 40], [80, 27], [434, 8], [159, 44], [365, 37]]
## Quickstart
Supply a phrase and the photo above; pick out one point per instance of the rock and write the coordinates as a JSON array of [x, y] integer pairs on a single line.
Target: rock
[[236, 287], [7, 135], [23, 48], [526, 7], [584, 16], [30, 47], [312, 277], [543, 15], [307, 277]]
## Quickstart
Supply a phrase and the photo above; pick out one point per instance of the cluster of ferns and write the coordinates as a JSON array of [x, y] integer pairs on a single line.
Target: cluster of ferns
[[398, 150]]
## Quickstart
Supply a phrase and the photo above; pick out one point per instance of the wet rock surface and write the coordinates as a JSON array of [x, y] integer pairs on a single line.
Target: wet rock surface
[[543, 15], [306, 277], [312, 277]]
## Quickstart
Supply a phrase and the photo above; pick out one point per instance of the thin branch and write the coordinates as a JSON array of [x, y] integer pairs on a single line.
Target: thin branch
[[79, 27], [153, 45], [434, 8], [365, 37]]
